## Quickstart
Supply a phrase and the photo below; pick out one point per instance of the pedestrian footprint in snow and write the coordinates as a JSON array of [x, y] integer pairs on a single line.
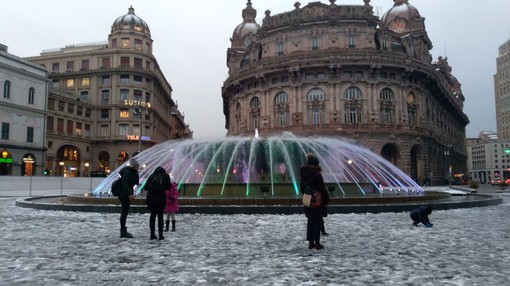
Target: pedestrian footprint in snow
[[421, 214]]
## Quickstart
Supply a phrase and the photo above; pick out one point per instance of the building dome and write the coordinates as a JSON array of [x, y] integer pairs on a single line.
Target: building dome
[[131, 22], [248, 25], [402, 18]]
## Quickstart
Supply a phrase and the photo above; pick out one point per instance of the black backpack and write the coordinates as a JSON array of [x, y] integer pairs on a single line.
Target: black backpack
[[116, 186]]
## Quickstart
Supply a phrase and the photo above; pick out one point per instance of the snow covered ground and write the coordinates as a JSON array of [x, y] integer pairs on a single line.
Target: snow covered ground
[[465, 247]]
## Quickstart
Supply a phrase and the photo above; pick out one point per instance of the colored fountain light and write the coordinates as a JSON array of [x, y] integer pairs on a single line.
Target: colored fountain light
[[255, 166]]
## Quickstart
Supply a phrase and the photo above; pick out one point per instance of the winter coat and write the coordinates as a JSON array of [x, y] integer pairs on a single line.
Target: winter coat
[[172, 196], [421, 214], [129, 178], [311, 176], [156, 184]]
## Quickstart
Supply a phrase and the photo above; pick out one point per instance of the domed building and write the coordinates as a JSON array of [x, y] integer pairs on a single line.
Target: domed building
[[107, 101], [339, 70]]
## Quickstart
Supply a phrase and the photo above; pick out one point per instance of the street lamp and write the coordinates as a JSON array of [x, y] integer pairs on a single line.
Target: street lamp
[[61, 177]]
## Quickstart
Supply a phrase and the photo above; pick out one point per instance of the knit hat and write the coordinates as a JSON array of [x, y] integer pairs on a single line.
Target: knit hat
[[312, 160], [133, 163]]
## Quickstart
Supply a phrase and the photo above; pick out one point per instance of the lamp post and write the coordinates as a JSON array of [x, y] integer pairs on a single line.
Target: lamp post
[[61, 177]]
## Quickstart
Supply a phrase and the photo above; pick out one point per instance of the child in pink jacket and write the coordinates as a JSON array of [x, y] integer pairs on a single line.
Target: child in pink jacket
[[172, 205]]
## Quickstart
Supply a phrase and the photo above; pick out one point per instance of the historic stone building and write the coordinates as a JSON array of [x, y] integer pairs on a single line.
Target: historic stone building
[[107, 101], [339, 70], [22, 115]]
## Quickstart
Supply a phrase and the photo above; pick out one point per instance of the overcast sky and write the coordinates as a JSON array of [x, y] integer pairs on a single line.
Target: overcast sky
[[191, 40]]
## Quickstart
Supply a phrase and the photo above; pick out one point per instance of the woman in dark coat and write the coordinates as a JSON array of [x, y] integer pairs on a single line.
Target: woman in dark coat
[[129, 178], [156, 185], [311, 175]]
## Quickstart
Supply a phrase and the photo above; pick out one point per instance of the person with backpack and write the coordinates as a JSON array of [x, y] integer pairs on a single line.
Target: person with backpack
[[311, 177], [129, 178], [156, 186], [172, 205]]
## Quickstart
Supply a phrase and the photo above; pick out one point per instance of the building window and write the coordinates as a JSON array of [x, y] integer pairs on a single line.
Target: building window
[[124, 113], [70, 83], [85, 81], [105, 95], [124, 94], [84, 64], [124, 78], [137, 95], [353, 93], [78, 129], [105, 113], [61, 106], [70, 66], [137, 79], [352, 41], [60, 125], [387, 106], [254, 112], [281, 101], [31, 94], [123, 129], [87, 130], [49, 123], [138, 44], [279, 48], [70, 108], [79, 110], [315, 44], [138, 63], [106, 63], [105, 79], [5, 131], [124, 62], [55, 67], [316, 107], [30, 134], [88, 112], [104, 130], [7, 89], [386, 94], [125, 43], [84, 95], [70, 127]]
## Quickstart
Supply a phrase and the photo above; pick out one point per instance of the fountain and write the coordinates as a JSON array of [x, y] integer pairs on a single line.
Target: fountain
[[268, 167], [261, 175]]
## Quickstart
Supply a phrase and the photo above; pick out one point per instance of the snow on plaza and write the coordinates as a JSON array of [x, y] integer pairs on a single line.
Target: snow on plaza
[[465, 247]]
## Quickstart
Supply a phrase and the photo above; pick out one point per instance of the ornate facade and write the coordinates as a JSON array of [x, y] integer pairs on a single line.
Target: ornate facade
[[338, 70], [107, 101]]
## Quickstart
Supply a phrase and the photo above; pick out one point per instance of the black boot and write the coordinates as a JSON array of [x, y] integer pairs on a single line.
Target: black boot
[[173, 225], [124, 233], [167, 224]]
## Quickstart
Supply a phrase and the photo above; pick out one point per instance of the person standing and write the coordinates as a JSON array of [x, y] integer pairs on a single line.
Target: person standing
[[129, 178], [156, 186], [310, 175], [172, 205]]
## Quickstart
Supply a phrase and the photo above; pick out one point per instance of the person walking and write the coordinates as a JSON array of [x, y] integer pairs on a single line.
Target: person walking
[[172, 205], [310, 175], [156, 185], [129, 178]]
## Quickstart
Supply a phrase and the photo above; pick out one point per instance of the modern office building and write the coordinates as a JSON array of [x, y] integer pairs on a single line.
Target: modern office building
[[107, 101], [22, 115], [488, 158], [502, 92], [339, 70]]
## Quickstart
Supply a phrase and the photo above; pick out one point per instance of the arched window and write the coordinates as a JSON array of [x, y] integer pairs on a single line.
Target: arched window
[[353, 93], [387, 106], [7, 89], [281, 108], [254, 112], [353, 106], [31, 93], [316, 107]]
